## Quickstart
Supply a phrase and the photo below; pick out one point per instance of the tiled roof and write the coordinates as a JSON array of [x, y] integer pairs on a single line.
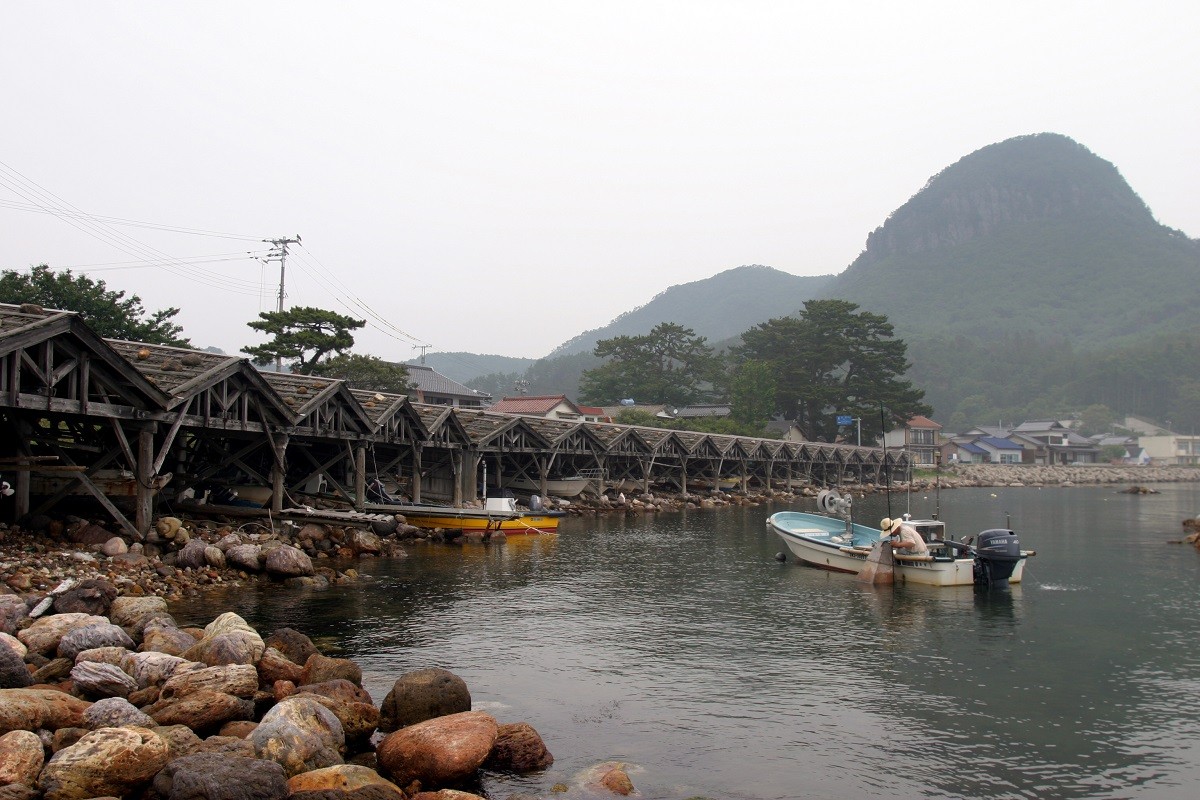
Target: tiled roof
[[538, 404], [710, 410], [923, 422], [972, 448], [430, 381], [999, 444]]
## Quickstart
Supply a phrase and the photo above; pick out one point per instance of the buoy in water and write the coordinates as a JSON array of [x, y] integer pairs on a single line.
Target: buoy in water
[[781, 557]]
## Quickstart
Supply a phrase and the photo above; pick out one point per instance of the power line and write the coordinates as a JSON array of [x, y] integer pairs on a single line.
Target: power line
[[29, 190], [39, 209]]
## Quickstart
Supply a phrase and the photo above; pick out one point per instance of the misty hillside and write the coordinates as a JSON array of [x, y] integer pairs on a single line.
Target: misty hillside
[[462, 367], [717, 308], [1035, 235]]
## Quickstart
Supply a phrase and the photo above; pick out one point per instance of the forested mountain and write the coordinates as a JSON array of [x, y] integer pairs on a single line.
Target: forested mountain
[[716, 308], [1035, 236], [1028, 280]]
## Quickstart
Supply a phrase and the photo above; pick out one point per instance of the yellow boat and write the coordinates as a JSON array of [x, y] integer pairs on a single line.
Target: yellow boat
[[498, 514]]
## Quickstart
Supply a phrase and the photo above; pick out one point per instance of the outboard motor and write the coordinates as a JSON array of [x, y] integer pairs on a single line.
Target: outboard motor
[[996, 556]]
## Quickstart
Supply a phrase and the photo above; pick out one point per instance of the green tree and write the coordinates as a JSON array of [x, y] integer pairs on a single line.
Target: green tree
[[1096, 418], [108, 312], [365, 372], [303, 336], [752, 393], [832, 359], [671, 365]]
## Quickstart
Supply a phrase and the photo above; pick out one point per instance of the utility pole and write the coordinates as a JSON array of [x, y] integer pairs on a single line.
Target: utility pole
[[279, 253], [422, 348]]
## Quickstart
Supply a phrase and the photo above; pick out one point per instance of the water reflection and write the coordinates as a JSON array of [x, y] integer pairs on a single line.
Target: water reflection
[[679, 644]]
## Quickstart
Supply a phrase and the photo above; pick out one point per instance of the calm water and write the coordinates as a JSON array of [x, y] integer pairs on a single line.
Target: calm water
[[679, 645]]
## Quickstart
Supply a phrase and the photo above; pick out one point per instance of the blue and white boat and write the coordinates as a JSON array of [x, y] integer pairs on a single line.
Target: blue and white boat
[[832, 543]]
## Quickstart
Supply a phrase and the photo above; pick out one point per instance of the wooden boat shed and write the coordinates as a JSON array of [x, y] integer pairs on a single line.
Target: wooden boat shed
[[76, 408]]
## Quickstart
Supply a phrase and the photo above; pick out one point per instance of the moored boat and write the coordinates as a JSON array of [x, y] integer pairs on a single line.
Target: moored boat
[[828, 542], [498, 514]]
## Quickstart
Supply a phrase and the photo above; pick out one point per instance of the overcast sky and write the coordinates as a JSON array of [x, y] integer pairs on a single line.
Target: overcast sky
[[497, 177]]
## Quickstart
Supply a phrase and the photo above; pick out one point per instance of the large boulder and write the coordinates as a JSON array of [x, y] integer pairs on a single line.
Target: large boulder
[[89, 637], [275, 666], [34, 709], [343, 778], [247, 557], [228, 639], [91, 596], [43, 635], [288, 562], [151, 668], [519, 748], [13, 673], [115, 712], [97, 679], [21, 758], [300, 734], [319, 668], [164, 636], [132, 613], [442, 752], [421, 695], [359, 720], [109, 762], [220, 776], [294, 645], [202, 710], [239, 680]]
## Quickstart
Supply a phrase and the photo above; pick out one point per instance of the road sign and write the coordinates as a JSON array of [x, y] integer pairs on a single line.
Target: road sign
[[845, 419]]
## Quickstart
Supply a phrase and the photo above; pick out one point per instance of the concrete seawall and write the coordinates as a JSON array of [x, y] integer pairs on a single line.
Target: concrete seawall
[[1030, 475]]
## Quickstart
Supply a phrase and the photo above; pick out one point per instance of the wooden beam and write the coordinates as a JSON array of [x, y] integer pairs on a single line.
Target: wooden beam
[[144, 471]]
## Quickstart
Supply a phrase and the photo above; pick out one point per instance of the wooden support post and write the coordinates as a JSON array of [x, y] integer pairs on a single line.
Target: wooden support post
[[414, 487], [543, 477], [360, 475], [683, 476], [456, 458], [279, 443], [144, 470]]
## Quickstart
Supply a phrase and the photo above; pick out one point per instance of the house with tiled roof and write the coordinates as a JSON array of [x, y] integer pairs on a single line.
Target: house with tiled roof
[[431, 386], [593, 413], [961, 450], [553, 406], [920, 436]]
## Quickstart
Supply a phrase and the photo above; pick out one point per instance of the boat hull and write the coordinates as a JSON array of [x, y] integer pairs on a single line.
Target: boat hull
[[525, 524], [557, 487], [827, 543]]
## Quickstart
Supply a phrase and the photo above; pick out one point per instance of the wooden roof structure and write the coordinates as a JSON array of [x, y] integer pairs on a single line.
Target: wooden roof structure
[[94, 404]]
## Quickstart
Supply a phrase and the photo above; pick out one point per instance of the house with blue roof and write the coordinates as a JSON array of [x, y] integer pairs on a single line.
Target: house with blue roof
[[999, 451]]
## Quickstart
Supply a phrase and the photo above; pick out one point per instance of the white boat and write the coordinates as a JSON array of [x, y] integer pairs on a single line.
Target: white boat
[[832, 543], [555, 487]]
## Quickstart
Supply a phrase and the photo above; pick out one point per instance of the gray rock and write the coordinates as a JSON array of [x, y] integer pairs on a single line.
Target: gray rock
[[96, 679], [421, 695], [115, 712], [101, 635], [151, 668], [288, 562], [12, 611], [300, 734], [246, 557], [13, 673], [217, 776]]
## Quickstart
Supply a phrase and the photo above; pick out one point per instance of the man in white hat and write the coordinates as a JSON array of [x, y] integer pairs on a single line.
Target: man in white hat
[[904, 537]]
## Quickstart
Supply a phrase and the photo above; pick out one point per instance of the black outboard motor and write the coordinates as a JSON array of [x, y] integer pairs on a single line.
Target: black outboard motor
[[996, 556]]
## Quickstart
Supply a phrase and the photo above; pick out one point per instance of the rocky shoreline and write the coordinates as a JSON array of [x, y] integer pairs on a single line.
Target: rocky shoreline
[[104, 695]]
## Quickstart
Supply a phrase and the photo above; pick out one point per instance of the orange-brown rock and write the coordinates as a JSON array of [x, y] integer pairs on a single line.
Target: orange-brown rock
[[440, 753], [35, 708], [21, 758], [519, 748], [114, 762], [342, 778]]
